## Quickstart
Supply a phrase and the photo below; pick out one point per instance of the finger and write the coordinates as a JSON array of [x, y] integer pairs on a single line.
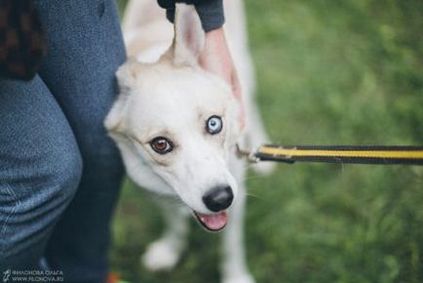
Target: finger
[[236, 86], [237, 92]]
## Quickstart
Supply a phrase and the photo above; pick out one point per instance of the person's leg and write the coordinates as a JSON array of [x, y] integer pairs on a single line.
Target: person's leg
[[40, 168], [85, 48]]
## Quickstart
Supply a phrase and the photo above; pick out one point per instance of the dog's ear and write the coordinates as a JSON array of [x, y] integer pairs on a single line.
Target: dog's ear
[[126, 75], [113, 122], [189, 36]]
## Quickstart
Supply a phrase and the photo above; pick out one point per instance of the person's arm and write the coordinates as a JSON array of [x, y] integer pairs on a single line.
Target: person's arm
[[215, 56]]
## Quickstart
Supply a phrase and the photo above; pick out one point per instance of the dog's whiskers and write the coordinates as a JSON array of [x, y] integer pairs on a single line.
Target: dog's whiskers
[[253, 177], [250, 195]]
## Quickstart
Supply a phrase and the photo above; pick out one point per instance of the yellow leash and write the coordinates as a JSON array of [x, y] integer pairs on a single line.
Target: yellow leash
[[374, 154]]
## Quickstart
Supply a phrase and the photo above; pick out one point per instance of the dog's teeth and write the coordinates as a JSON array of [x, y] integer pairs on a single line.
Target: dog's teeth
[[213, 222]]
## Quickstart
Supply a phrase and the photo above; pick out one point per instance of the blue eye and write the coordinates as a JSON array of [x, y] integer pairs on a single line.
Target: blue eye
[[214, 125]]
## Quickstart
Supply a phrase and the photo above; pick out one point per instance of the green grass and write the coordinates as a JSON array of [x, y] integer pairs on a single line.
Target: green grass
[[329, 72]]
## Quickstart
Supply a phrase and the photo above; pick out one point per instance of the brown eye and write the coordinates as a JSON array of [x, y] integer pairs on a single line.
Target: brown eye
[[161, 145]]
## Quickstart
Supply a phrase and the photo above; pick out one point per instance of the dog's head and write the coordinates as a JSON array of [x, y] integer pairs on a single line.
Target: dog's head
[[177, 125]]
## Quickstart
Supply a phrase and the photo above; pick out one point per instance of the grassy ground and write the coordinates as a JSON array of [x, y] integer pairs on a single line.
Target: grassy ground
[[329, 72]]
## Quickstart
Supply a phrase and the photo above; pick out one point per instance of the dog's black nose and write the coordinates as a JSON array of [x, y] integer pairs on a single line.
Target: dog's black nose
[[218, 198]]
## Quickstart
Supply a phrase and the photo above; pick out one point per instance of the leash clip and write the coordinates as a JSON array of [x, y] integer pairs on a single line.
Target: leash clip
[[247, 154]]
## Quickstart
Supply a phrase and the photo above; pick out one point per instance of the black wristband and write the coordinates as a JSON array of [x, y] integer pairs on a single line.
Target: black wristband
[[210, 12]]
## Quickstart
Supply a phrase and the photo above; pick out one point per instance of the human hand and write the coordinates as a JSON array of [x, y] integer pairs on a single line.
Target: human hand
[[216, 58]]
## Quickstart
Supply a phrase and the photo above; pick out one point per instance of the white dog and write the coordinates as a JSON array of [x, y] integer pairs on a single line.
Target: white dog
[[177, 127]]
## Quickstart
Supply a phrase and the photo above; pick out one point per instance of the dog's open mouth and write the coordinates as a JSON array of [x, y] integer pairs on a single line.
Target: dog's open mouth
[[212, 222]]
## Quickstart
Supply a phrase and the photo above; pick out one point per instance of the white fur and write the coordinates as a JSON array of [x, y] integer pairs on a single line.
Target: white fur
[[166, 93]]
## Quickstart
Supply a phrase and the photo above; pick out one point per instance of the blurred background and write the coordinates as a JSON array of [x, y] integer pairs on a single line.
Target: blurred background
[[329, 72]]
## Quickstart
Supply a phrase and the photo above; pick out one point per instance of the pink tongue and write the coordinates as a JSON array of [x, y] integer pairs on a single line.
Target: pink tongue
[[214, 221]]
